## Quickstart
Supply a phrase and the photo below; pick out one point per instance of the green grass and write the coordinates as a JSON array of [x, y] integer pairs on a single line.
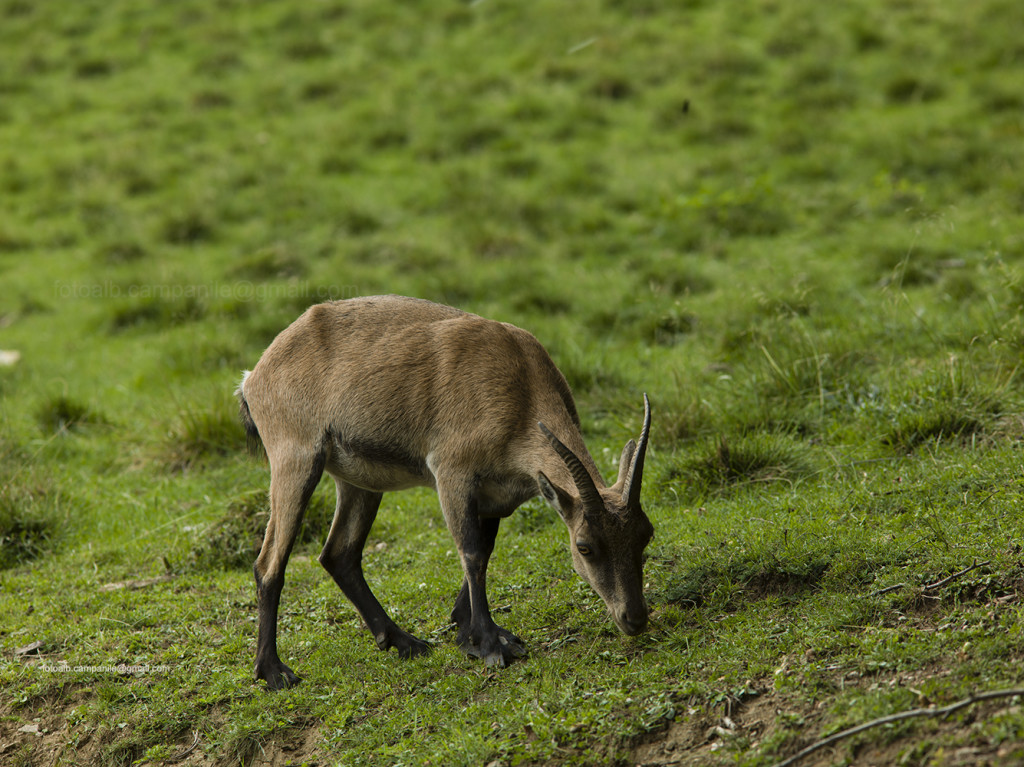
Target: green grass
[[799, 228]]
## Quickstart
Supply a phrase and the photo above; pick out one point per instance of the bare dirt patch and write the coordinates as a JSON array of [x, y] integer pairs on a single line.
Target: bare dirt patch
[[702, 737], [50, 736]]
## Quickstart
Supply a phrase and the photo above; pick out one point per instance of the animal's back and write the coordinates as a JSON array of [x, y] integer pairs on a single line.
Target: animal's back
[[335, 326], [335, 350], [396, 378]]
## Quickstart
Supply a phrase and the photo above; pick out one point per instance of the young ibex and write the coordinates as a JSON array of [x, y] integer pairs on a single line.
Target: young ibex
[[386, 393]]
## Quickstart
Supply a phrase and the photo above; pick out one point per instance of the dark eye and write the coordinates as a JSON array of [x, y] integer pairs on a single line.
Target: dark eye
[[584, 549]]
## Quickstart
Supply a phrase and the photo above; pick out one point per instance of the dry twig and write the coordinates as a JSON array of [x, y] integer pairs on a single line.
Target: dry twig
[[182, 754], [933, 586], [954, 576], [887, 589]]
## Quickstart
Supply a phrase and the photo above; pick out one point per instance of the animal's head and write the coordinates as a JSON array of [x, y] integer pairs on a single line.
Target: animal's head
[[608, 529]]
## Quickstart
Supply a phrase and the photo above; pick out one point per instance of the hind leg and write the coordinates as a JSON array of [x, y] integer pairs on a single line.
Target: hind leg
[[293, 477], [342, 557]]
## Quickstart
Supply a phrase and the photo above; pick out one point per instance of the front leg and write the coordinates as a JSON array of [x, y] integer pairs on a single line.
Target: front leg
[[479, 636]]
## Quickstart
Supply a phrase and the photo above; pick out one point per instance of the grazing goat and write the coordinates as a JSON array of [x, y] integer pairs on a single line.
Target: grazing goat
[[386, 393]]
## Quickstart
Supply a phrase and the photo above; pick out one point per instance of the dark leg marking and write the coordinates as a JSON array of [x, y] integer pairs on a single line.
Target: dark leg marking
[[478, 635]]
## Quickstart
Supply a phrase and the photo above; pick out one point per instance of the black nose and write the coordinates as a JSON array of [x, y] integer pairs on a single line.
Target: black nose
[[633, 625]]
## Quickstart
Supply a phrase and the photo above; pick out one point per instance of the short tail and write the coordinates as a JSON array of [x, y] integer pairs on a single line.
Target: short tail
[[252, 434]]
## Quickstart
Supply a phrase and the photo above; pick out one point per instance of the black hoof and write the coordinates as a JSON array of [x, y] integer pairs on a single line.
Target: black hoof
[[278, 677], [405, 643], [497, 650]]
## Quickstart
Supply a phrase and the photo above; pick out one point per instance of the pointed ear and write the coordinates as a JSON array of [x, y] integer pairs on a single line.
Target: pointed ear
[[560, 500], [624, 463]]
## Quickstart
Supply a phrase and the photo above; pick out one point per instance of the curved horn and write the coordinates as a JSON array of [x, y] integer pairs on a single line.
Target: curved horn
[[631, 487], [584, 482]]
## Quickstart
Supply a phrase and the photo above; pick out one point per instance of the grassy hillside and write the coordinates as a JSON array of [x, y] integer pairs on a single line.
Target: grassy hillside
[[799, 227]]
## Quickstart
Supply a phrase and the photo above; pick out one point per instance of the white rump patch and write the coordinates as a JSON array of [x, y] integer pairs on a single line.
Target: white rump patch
[[240, 391]]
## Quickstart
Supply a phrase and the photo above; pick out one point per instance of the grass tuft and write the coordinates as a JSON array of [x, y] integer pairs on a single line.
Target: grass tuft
[[732, 462], [191, 227], [946, 423], [28, 525], [947, 405], [750, 577], [62, 414], [668, 276], [273, 263], [154, 312], [909, 88], [120, 251], [234, 540], [204, 431]]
